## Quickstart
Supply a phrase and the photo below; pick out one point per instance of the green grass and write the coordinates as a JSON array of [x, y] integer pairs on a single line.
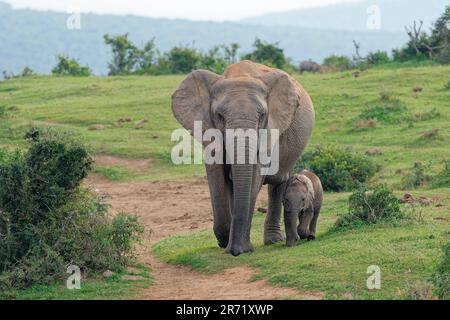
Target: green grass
[[77, 103], [98, 288], [339, 99], [336, 263]]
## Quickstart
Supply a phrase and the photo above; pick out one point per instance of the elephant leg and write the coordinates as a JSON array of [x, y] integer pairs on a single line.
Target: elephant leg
[[290, 225], [305, 222], [313, 225], [219, 187], [257, 184], [272, 229]]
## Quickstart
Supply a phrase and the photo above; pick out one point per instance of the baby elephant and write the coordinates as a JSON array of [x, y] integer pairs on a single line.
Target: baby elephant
[[302, 199]]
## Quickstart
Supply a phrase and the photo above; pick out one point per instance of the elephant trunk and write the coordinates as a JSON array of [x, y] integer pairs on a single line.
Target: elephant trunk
[[242, 174], [290, 224]]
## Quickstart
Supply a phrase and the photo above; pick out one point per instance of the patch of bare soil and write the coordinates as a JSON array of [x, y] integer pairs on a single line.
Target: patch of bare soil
[[171, 208], [130, 164]]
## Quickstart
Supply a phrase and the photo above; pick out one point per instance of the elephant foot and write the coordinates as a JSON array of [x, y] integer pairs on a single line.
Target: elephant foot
[[236, 250], [273, 237], [311, 237], [247, 246], [223, 243], [292, 241], [222, 237], [303, 234]]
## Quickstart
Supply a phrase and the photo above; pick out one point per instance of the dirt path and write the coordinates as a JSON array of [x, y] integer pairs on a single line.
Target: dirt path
[[170, 208]]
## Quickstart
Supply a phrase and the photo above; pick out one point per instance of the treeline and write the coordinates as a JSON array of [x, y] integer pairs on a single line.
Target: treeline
[[421, 47], [128, 58]]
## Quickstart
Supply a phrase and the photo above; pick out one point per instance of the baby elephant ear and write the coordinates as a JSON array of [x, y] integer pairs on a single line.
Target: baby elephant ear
[[283, 99], [191, 101]]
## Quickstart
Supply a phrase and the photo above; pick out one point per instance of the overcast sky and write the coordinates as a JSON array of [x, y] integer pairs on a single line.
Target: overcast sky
[[188, 9]]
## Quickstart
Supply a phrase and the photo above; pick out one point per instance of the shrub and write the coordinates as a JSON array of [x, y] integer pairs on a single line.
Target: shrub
[[2, 111], [427, 115], [421, 290], [70, 67], [183, 59], [338, 63], [416, 177], [126, 55], [447, 85], [339, 169], [26, 72], [378, 57], [369, 206], [442, 179], [441, 278], [48, 221], [214, 61], [267, 53], [387, 109]]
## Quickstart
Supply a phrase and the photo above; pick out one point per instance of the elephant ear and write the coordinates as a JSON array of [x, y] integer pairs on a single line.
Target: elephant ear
[[310, 190], [191, 101], [283, 99]]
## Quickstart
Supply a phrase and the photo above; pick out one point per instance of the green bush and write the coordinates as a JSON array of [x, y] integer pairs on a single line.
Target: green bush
[[442, 179], [26, 72], [126, 56], [70, 67], [267, 53], [369, 206], [2, 111], [416, 177], [214, 61], [378, 57], [183, 59], [48, 221], [447, 85], [441, 278], [338, 63], [339, 169], [387, 109]]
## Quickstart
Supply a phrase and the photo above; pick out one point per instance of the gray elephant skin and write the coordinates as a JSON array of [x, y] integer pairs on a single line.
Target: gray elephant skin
[[302, 202], [247, 96]]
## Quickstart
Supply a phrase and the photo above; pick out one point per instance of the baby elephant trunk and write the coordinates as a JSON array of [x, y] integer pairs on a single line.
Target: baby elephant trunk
[[290, 225]]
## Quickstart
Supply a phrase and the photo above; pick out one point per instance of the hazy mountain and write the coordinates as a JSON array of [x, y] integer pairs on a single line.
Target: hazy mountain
[[34, 38], [394, 15]]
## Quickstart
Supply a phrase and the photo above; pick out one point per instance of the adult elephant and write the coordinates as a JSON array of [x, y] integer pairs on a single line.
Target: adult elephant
[[247, 96]]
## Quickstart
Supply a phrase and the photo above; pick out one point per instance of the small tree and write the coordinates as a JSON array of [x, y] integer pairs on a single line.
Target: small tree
[[26, 72], [70, 67], [267, 53], [183, 59], [339, 63], [231, 52], [147, 56], [214, 61], [440, 36], [372, 58], [126, 55], [423, 46]]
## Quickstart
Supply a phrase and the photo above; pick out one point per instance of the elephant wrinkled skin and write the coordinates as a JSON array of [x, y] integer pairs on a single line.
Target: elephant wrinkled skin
[[247, 96]]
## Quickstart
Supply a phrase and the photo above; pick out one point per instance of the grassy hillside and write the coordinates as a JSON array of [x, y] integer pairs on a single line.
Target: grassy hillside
[[336, 262], [339, 99]]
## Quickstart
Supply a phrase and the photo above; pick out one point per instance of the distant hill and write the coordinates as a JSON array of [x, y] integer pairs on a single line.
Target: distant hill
[[34, 38], [395, 14]]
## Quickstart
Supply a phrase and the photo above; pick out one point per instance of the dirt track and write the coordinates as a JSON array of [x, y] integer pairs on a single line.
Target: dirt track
[[170, 208]]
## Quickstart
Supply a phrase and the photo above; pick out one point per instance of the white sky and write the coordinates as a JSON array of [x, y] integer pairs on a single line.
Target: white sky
[[188, 9]]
